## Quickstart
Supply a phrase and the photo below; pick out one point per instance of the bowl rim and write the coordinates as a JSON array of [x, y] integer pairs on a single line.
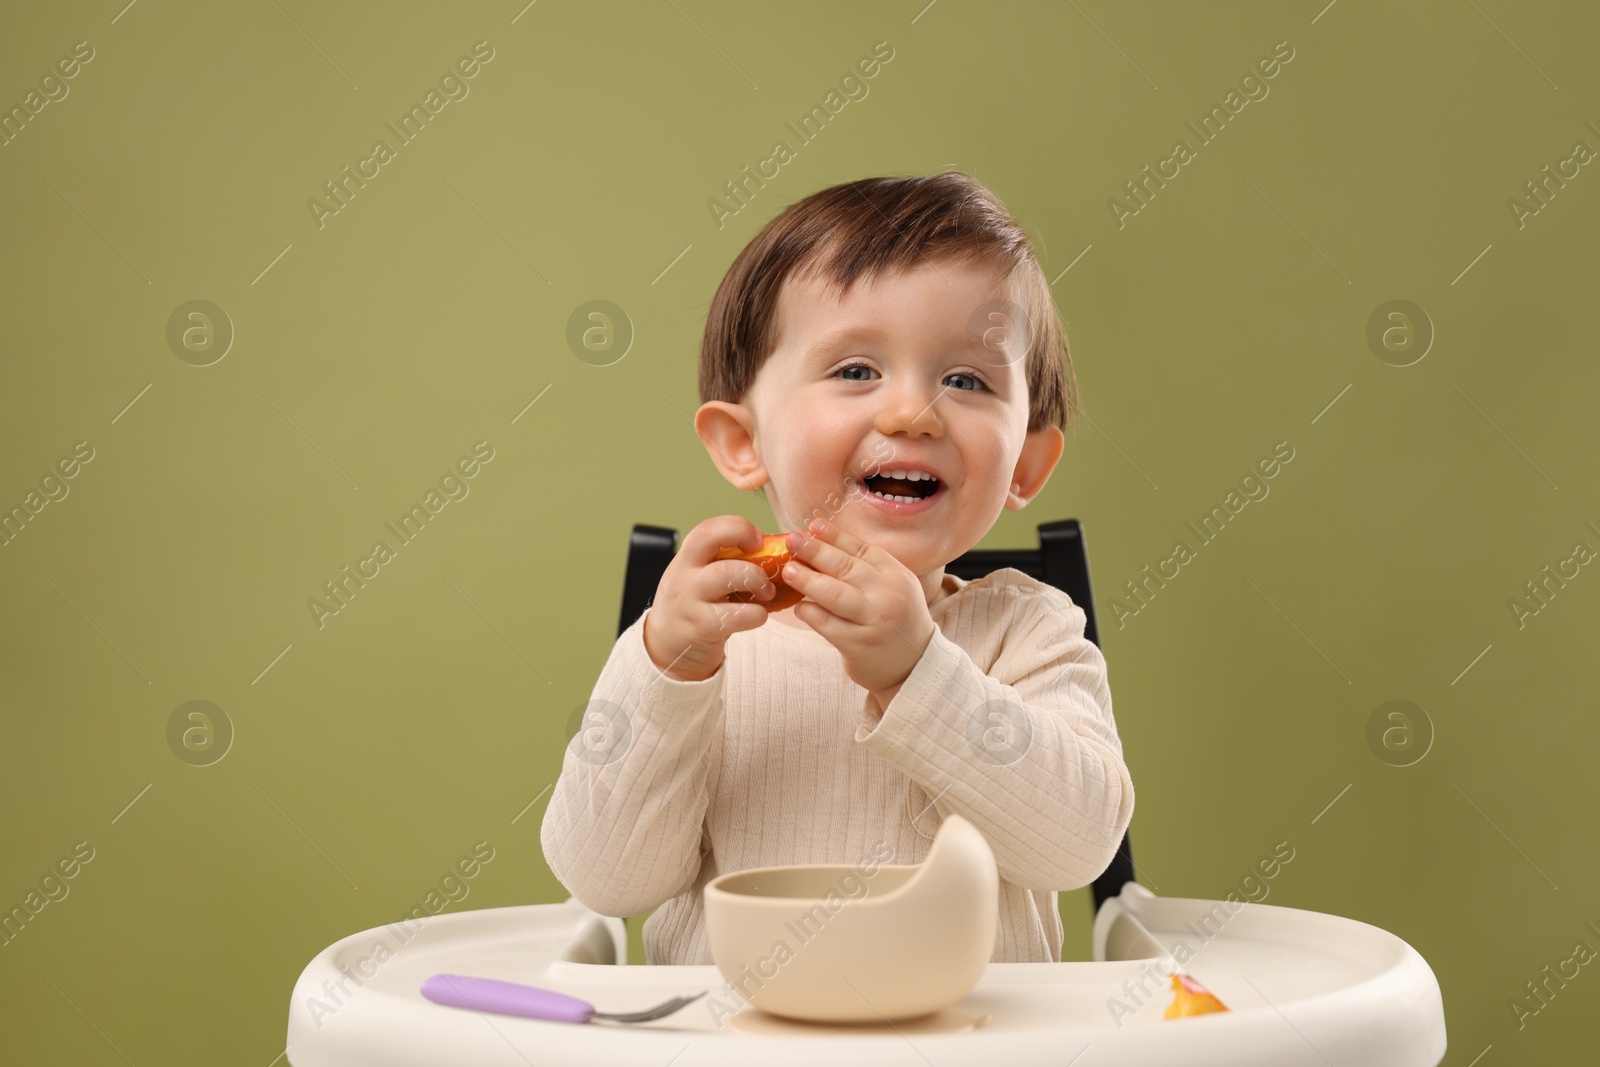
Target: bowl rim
[[714, 886]]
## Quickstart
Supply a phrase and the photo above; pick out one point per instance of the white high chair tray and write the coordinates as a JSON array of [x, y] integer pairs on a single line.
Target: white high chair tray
[[1302, 988]]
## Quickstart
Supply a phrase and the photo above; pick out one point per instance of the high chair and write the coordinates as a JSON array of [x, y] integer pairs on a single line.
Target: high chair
[[1297, 987]]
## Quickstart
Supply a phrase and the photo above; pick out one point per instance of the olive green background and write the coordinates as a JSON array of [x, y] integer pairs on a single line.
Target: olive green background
[[370, 754]]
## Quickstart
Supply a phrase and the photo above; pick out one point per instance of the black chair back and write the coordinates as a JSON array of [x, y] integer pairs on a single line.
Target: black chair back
[[1061, 560]]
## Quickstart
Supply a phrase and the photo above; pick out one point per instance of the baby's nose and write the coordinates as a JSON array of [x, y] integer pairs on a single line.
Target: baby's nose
[[908, 409]]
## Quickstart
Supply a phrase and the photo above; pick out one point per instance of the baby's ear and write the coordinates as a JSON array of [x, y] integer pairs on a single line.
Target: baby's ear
[[1040, 453], [729, 435]]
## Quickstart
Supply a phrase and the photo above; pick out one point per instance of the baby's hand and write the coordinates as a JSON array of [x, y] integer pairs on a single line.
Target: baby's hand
[[864, 601], [690, 618]]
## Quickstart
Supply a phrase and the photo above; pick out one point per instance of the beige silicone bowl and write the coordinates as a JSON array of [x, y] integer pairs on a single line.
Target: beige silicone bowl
[[833, 943]]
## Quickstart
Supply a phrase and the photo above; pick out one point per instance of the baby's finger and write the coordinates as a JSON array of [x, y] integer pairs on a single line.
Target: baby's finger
[[701, 544], [723, 578], [844, 540], [819, 553], [838, 596], [735, 616]]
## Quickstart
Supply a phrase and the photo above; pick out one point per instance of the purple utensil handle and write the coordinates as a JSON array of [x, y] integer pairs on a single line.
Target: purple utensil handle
[[505, 998]]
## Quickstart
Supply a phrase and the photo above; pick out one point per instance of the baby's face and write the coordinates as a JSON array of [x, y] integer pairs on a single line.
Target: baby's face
[[896, 377]]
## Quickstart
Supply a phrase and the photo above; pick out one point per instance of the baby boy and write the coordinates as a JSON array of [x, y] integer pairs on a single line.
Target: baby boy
[[885, 361]]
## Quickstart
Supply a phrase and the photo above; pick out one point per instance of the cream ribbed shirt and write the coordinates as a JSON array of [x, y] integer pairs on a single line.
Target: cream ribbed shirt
[[779, 758]]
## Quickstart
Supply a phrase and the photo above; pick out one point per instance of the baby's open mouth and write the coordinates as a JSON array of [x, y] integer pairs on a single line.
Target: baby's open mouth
[[905, 489]]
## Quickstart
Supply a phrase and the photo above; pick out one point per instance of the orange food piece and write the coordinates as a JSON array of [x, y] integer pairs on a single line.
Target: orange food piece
[[1191, 998], [771, 556]]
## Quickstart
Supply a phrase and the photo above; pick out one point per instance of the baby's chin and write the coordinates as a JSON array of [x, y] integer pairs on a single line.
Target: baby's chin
[[919, 559]]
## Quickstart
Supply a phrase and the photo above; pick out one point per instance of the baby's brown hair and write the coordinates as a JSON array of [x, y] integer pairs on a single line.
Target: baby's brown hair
[[878, 226]]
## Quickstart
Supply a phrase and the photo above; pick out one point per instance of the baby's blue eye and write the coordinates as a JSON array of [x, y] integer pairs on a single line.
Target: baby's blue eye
[[977, 382]]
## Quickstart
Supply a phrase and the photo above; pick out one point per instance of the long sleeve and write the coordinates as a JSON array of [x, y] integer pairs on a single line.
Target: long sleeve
[[1028, 751], [623, 829]]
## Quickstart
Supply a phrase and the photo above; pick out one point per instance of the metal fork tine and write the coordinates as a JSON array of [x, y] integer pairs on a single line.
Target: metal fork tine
[[659, 1011]]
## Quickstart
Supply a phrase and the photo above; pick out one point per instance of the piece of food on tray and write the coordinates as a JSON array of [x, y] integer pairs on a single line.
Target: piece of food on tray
[[1191, 998]]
